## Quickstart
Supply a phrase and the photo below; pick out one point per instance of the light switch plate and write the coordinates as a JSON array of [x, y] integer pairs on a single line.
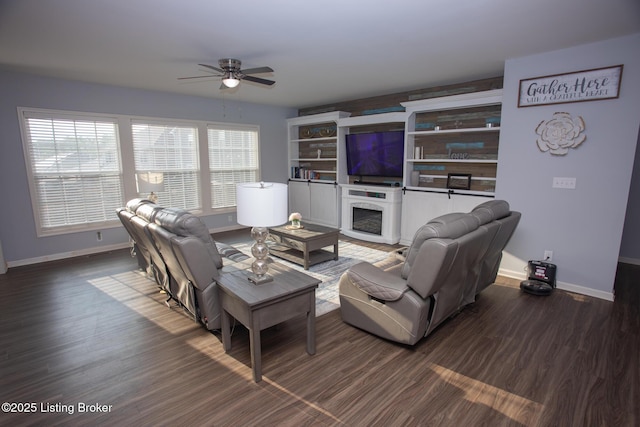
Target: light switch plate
[[568, 183]]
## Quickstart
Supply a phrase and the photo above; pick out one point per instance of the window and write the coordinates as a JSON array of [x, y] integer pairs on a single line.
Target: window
[[166, 163], [74, 168], [82, 167], [233, 158]]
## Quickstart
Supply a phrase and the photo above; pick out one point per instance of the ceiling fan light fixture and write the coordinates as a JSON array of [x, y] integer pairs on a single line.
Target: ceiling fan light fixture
[[230, 81]]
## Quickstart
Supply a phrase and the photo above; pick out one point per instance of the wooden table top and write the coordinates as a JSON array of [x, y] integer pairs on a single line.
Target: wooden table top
[[286, 281], [309, 232]]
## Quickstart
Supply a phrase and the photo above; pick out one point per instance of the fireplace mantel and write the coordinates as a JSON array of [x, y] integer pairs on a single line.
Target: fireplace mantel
[[378, 205]]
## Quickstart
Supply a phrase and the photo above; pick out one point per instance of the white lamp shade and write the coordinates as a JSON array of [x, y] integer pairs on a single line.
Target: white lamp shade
[[261, 204], [150, 181]]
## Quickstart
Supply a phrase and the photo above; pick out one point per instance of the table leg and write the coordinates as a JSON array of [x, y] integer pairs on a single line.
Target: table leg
[[256, 350], [226, 335], [335, 251], [311, 324], [306, 257]]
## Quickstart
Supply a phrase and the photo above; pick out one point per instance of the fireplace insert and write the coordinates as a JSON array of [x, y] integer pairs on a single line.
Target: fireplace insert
[[367, 220]]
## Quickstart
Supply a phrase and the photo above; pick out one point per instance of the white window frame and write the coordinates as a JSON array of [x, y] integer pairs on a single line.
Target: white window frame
[[42, 229], [236, 177], [163, 188], [125, 150]]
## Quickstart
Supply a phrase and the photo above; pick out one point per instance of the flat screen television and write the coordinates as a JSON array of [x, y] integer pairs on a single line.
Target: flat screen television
[[375, 154]]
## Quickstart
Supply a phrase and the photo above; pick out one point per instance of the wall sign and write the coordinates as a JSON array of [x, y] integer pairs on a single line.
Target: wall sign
[[588, 85]]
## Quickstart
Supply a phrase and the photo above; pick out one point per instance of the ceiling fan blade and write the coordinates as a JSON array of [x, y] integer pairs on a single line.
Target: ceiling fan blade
[[257, 70], [197, 77], [258, 80], [212, 67]]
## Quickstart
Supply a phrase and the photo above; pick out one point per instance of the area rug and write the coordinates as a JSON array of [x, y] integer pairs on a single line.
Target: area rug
[[329, 271]]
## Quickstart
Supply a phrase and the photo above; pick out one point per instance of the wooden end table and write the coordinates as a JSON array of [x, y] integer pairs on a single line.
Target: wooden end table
[[290, 294], [304, 246]]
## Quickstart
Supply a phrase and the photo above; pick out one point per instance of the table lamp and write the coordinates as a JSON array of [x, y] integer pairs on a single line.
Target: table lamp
[[261, 205], [152, 183]]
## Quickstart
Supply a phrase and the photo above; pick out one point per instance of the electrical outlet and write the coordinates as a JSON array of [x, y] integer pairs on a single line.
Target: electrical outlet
[[99, 236], [548, 255]]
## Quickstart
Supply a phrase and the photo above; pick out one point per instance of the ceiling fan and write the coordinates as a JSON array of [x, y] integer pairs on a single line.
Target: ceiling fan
[[229, 70]]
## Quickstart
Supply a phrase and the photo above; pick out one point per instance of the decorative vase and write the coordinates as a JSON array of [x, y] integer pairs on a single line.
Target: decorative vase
[[295, 223], [415, 178]]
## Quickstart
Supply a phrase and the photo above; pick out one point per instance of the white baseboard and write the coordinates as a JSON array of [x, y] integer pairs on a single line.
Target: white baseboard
[[512, 274], [634, 261], [569, 287], [64, 255], [95, 250]]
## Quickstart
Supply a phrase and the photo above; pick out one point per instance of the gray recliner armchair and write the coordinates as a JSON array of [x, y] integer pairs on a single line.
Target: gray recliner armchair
[[451, 259]]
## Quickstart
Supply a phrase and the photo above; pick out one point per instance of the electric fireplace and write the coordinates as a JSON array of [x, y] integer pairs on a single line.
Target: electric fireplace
[[371, 213]]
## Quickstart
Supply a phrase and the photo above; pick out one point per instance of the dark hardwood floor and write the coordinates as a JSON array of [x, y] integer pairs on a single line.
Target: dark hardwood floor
[[92, 330]]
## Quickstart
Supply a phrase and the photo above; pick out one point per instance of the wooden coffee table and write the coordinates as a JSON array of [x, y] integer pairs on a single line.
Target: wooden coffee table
[[290, 294], [304, 246]]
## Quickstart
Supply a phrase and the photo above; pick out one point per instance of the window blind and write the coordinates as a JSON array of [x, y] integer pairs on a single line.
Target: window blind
[[166, 162], [233, 158], [75, 170]]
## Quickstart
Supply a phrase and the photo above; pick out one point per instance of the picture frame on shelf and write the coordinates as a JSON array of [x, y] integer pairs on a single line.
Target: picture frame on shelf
[[459, 181]]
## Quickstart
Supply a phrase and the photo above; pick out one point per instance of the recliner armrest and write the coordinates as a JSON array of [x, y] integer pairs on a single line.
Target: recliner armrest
[[377, 283]]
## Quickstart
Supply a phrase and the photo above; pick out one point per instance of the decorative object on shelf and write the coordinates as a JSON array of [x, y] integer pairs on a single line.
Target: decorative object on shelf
[[318, 132], [560, 133], [261, 205], [328, 131], [319, 153], [295, 219], [492, 122], [459, 181], [415, 178], [425, 126], [587, 85]]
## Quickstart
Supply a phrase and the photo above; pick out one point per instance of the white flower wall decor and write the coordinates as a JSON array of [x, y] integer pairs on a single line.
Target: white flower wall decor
[[560, 133]]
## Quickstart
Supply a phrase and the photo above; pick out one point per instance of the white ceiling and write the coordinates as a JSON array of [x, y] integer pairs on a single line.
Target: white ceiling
[[322, 51]]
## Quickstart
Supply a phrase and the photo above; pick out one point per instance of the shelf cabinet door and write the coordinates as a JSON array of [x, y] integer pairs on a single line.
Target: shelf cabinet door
[[418, 208], [324, 204], [316, 202], [300, 199]]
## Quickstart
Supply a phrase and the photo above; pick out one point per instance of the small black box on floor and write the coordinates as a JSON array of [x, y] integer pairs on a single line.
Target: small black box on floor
[[541, 278]]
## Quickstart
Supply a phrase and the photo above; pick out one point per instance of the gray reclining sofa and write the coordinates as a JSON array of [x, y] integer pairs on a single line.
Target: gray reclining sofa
[[174, 248], [451, 259]]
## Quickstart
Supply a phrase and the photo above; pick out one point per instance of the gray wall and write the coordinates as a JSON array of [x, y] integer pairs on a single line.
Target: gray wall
[[17, 229], [630, 247], [584, 226]]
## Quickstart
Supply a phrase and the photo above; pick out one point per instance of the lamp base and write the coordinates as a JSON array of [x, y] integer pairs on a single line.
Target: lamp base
[[259, 280], [260, 251]]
